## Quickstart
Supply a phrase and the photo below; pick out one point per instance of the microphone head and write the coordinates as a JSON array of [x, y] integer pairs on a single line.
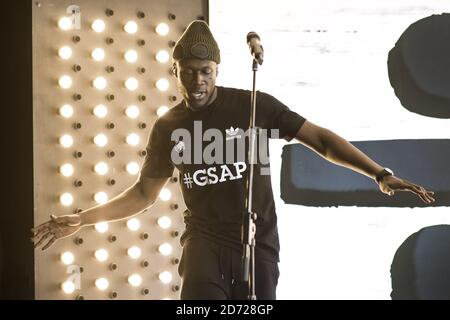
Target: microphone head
[[252, 35]]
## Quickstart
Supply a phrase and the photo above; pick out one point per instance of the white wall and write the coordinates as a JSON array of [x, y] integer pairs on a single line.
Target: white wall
[[337, 79]]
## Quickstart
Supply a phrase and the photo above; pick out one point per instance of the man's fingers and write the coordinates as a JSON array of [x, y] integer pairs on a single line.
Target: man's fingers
[[427, 194], [38, 241], [424, 198], [44, 229], [40, 227], [38, 235], [49, 243], [416, 190], [430, 198], [430, 194], [45, 236], [422, 193]]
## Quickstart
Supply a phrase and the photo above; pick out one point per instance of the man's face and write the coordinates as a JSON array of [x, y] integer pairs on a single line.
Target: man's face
[[196, 81]]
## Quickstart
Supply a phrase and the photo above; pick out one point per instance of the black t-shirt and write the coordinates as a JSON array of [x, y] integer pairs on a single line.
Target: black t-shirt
[[207, 147]]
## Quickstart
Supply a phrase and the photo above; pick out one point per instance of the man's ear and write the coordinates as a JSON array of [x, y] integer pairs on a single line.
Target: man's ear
[[174, 70], [217, 70]]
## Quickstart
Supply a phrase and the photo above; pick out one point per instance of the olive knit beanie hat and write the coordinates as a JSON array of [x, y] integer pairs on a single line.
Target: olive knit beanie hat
[[197, 42]]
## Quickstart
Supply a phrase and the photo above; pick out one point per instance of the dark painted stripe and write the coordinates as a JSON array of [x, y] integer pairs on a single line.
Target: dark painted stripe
[[307, 179]]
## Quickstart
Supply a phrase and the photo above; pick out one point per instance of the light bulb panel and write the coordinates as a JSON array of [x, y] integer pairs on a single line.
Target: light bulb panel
[[76, 70]]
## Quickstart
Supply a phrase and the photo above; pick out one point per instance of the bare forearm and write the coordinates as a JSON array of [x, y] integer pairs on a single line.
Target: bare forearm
[[128, 203], [339, 151]]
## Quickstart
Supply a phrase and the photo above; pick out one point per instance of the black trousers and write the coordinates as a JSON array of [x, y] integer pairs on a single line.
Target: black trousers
[[210, 271]]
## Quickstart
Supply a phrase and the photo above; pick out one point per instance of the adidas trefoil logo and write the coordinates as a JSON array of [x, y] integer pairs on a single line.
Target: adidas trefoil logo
[[232, 133]]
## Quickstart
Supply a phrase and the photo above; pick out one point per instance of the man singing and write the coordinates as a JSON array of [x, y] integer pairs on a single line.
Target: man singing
[[212, 172]]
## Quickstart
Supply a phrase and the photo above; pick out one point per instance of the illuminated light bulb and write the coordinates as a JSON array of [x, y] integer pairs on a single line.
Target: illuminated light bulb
[[131, 56], [101, 140], [133, 224], [68, 287], [131, 84], [134, 252], [162, 29], [131, 27], [165, 249], [98, 25], [162, 56], [162, 110], [100, 111], [66, 111], [98, 54], [99, 83], [101, 227], [101, 255], [165, 194], [66, 199], [164, 222], [66, 170], [135, 280], [132, 112], [67, 258], [65, 52], [65, 82], [133, 139], [101, 168], [101, 197], [64, 23], [165, 277], [162, 84], [66, 141], [133, 168], [102, 283]]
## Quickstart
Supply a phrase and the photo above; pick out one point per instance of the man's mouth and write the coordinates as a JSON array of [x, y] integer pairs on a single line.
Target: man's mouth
[[197, 95]]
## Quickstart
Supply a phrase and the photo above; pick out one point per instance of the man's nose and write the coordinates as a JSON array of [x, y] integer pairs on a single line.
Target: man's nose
[[198, 77]]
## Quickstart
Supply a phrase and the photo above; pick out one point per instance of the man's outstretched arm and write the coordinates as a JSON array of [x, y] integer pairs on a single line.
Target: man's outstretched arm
[[130, 202], [341, 152]]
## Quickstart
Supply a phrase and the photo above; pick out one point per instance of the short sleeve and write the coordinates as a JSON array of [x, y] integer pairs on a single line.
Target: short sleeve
[[275, 115], [157, 162]]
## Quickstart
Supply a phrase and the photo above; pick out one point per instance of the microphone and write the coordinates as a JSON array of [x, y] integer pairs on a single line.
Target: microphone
[[256, 49]]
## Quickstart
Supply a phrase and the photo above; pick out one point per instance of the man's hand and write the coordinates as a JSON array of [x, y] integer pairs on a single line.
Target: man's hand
[[54, 229], [390, 184]]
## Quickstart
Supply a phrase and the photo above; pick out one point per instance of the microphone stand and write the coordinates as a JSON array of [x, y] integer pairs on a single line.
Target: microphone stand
[[249, 217]]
